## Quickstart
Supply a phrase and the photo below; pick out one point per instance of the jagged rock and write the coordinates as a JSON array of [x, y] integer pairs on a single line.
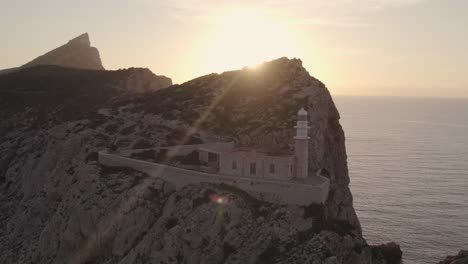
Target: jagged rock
[[143, 80], [77, 53], [391, 252], [460, 258]]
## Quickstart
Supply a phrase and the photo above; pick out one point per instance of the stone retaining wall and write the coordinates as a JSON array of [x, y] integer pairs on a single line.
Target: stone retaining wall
[[184, 149], [268, 190]]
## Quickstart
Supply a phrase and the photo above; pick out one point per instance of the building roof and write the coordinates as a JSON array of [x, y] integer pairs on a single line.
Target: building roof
[[265, 152]]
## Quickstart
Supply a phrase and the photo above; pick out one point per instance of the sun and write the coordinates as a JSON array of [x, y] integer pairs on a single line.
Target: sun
[[246, 37]]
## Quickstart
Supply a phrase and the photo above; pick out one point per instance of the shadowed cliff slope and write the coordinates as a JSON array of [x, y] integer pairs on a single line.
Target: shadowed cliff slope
[[56, 93]]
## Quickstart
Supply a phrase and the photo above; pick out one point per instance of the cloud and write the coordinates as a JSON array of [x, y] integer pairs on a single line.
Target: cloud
[[337, 13], [353, 52], [338, 5], [330, 22]]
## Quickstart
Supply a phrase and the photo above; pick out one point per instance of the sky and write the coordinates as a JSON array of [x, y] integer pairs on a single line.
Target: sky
[[356, 47]]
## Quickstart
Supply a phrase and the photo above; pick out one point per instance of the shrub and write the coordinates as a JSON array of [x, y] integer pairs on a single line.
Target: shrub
[[112, 128], [202, 200], [171, 222], [142, 144], [127, 130], [339, 226], [92, 156], [105, 170], [314, 210], [228, 250], [269, 254], [148, 155]]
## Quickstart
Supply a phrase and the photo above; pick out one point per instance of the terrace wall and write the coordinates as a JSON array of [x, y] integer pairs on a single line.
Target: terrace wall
[[269, 190]]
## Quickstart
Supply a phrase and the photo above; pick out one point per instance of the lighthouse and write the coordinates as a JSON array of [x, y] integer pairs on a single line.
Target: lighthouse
[[301, 146]]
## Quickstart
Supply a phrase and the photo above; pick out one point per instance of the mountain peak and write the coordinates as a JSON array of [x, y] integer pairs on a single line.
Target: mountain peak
[[82, 40], [77, 53], [282, 64], [294, 64]]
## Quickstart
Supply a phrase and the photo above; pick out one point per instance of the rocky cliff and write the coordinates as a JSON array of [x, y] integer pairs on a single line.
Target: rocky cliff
[[59, 205], [460, 258], [77, 53]]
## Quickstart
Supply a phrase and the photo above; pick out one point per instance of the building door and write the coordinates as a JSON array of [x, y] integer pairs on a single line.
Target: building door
[[253, 169], [213, 157], [213, 160]]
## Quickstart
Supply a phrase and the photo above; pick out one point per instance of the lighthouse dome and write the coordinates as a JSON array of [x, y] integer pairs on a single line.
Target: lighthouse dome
[[302, 111]]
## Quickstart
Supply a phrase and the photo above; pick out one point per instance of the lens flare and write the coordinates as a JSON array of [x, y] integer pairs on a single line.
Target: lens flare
[[219, 199]]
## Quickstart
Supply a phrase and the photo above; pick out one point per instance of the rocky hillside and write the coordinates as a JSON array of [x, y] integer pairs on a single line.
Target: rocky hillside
[[259, 107], [65, 93], [59, 205]]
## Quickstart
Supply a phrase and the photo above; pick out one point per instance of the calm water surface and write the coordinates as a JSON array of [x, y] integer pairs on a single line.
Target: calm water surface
[[408, 163]]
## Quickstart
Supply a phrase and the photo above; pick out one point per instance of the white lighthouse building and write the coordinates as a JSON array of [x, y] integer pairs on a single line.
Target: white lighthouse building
[[274, 177], [301, 147]]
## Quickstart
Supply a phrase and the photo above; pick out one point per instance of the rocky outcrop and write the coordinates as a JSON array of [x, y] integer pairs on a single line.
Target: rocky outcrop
[[390, 252], [59, 205], [460, 258], [77, 53], [143, 80]]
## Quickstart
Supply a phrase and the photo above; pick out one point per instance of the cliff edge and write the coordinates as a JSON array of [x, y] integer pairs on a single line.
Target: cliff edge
[[60, 205]]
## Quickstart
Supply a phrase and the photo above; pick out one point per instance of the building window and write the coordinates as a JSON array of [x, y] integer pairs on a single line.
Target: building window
[[272, 168], [234, 165], [212, 157], [253, 168]]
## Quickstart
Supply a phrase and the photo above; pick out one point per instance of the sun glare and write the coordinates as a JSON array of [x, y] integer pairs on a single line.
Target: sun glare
[[246, 38]]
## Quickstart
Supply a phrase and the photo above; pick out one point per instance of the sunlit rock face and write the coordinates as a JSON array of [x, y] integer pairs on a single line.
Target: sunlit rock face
[[77, 53], [59, 204]]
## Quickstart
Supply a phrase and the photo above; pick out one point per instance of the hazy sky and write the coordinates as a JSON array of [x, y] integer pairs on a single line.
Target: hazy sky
[[358, 47]]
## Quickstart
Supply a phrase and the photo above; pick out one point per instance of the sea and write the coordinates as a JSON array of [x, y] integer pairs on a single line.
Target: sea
[[408, 165]]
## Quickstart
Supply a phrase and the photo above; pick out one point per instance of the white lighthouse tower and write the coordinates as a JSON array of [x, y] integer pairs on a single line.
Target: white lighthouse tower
[[301, 147]]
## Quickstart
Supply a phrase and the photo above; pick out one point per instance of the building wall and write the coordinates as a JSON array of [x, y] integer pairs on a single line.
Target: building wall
[[252, 158], [301, 154], [282, 165], [268, 190], [203, 156], [186, 149], [225, 164]]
